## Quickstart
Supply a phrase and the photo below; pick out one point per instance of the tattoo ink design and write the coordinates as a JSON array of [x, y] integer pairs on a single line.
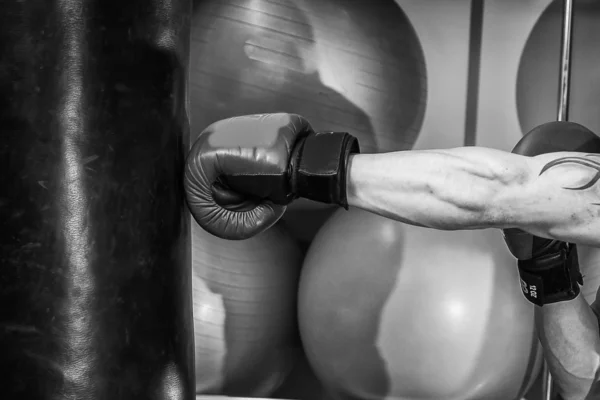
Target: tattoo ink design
[[586, 162]]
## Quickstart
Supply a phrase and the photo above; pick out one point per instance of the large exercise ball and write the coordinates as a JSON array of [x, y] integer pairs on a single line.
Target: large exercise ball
[[450, 325], [244, 293], [353, 66]]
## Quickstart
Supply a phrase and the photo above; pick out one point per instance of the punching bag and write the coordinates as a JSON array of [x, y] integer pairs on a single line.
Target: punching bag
[[95, 267]]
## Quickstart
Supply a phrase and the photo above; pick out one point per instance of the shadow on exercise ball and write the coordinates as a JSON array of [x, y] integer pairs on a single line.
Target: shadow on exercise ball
[[246, 340], [371, 53], [254, 57], [539, 68], [346, 66]]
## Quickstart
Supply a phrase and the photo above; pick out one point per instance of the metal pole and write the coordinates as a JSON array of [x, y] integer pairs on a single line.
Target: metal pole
[[563, 115], [565, 61], [547, 383]]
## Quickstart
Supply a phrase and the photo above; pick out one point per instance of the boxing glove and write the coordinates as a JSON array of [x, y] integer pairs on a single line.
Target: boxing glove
[[242, 172], [549, 269]]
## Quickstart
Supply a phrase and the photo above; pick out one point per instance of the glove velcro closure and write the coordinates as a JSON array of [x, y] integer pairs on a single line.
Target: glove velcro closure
[[319, 165], [552, 277]]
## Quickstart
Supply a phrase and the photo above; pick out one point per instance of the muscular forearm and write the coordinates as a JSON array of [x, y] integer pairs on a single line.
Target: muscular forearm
[[442, 189], [552, 195], [571, 340]]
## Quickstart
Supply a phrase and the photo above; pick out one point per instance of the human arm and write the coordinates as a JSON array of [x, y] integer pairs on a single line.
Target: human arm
[[241, 172], [552, 195], [569, 335]]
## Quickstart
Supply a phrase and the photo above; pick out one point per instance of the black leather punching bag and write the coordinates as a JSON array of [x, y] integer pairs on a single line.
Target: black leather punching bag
[[94, 282]]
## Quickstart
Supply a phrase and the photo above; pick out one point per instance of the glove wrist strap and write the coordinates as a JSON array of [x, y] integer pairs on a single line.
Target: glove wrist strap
[[319, 166], [552, 277]]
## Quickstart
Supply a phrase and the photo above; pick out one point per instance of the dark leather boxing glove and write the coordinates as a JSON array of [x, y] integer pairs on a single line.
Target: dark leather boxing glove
[[242, 172], [549, 269]]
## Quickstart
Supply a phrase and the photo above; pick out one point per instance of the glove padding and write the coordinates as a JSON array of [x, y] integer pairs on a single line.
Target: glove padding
[[549, 269], [242, 172]]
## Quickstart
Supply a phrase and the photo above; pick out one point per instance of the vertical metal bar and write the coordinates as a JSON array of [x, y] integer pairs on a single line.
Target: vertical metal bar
[[565, 61], [475, 38], [547, 383]]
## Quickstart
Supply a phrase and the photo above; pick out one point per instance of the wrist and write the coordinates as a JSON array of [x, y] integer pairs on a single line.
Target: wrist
[[353, 180], [363, 180], [553, 276], [319, 167]]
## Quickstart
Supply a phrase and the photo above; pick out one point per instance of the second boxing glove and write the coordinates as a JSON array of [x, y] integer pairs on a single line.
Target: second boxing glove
[[242, 172]]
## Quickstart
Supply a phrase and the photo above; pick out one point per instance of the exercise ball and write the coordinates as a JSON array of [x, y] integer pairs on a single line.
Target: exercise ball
[[444, 319], [244, 297], [352, 66]]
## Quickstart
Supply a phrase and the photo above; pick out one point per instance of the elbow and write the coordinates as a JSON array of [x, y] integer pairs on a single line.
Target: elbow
[[585, 385], [594, 391]]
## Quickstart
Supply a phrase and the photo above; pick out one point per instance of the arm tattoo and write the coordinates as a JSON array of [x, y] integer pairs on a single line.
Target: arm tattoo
[[585, 161]]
